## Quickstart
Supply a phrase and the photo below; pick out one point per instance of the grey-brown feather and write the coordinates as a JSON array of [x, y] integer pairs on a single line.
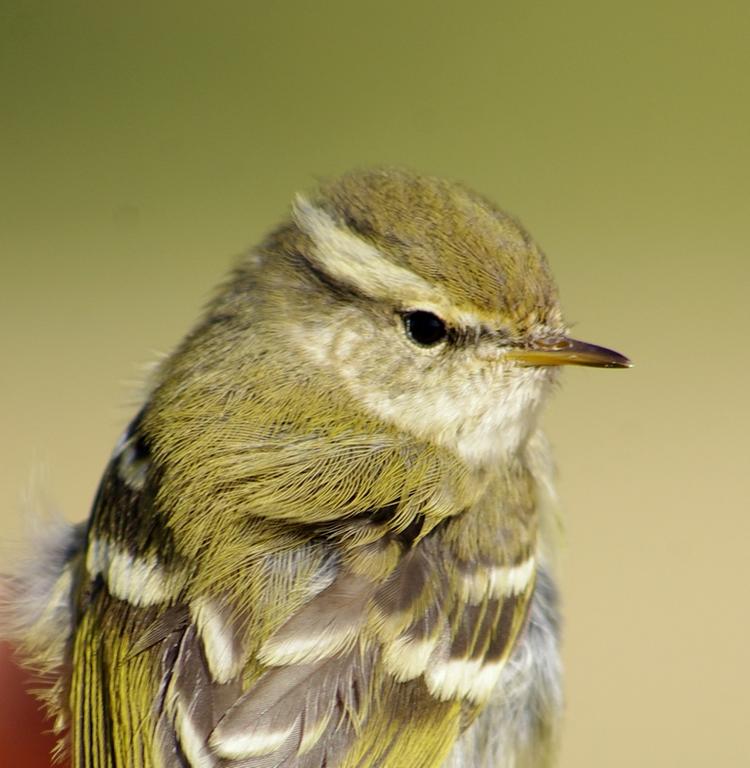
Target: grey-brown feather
[[303, 698], [518, 727]]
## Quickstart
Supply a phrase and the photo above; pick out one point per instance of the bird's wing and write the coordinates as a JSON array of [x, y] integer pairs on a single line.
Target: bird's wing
[[355, 644]]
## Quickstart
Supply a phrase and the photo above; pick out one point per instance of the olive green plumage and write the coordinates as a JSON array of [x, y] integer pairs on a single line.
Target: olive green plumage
[[318, 543]]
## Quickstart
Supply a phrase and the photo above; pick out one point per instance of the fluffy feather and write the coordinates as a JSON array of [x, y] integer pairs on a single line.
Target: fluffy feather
[[317, 544]]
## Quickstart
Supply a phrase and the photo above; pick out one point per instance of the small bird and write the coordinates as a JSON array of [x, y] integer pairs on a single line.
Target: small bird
[[323, 541]]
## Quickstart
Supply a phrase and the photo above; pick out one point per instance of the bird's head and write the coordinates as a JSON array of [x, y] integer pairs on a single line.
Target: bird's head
[[431, 308]]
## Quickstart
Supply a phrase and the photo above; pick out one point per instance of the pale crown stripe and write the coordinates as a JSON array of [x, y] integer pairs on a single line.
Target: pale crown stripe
[[349, 259]]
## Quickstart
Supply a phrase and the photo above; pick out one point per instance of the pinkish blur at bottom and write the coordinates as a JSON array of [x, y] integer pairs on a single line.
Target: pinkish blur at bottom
[[25, 738]]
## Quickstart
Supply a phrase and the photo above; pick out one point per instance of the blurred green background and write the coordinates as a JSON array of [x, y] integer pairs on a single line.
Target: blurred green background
[[144, 145]]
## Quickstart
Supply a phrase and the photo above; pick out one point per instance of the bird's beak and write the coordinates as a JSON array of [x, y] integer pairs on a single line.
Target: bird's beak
[[562, 350]]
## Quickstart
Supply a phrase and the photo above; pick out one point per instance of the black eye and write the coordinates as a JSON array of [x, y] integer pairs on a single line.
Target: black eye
[[424, 328]]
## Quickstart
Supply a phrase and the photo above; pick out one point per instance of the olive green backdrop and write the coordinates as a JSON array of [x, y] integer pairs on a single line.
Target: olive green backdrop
[[143, 145]]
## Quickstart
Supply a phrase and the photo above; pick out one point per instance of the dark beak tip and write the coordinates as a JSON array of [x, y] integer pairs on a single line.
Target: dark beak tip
[[620, 362], [599, 357]]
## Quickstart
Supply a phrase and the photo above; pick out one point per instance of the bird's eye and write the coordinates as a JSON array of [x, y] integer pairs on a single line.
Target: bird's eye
[[424, 328]]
